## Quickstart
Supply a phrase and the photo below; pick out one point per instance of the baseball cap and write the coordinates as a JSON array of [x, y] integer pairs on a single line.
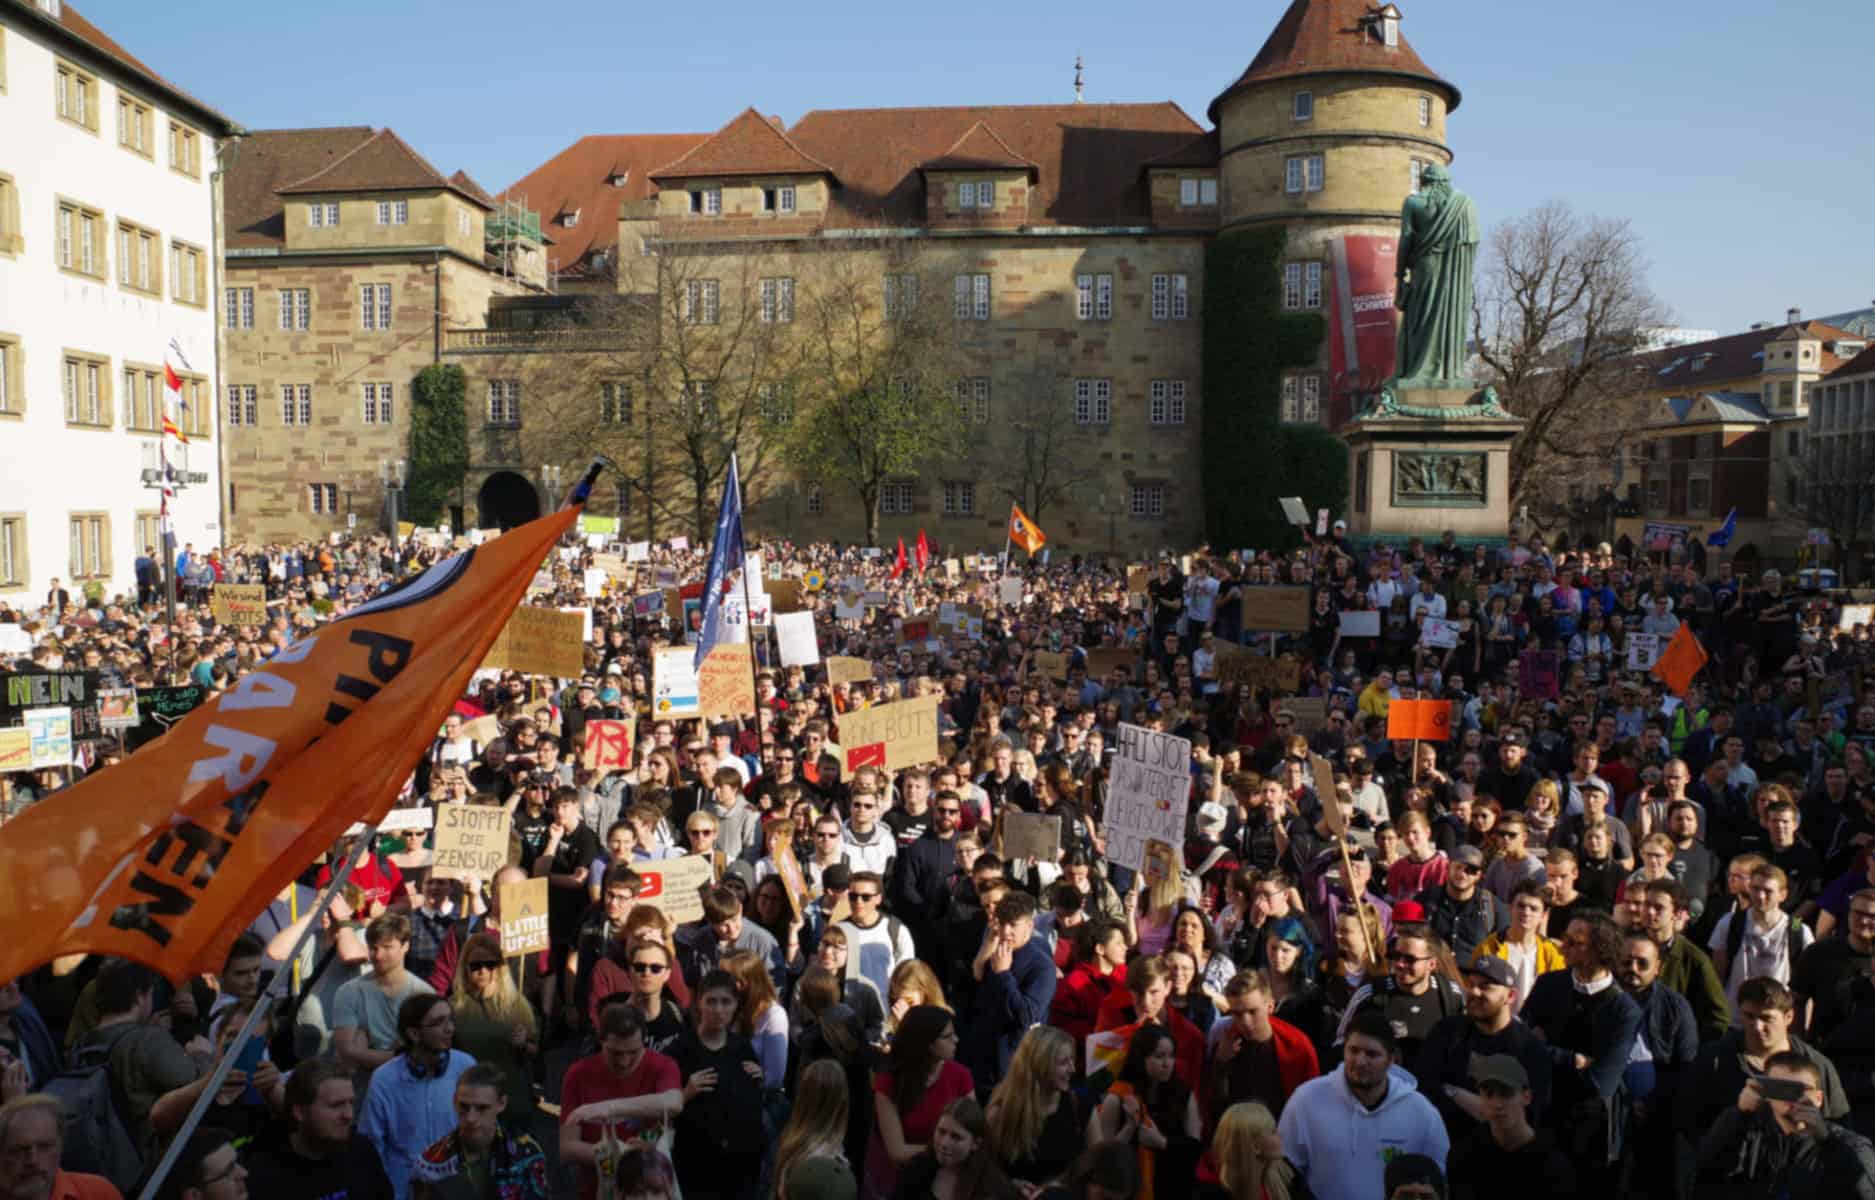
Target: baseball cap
[[723, 729], [1499, 1068], [1495, 969], [609, 695], [1211, 817], [1470, 855], [821, 1179], [1408, 910], [836, 877], [1512, 737]]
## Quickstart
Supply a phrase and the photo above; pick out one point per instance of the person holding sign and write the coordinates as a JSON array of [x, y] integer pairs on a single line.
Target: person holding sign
[[626, 1088]]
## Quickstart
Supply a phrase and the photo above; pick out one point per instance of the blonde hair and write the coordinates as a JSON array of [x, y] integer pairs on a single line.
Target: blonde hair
[[505, 1005], [1547, 789], [1015, 1112], [1243, 1167], [912, 973], [817, 1122]]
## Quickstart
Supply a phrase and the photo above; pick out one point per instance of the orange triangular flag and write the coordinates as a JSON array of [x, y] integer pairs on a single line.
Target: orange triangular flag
[[1024, 532], [1680, 661]]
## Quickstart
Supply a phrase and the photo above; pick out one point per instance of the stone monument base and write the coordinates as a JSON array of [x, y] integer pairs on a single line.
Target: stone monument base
[[1428, 459]]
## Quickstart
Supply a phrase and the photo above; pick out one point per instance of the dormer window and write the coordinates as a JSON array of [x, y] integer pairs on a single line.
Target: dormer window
[[1197, 193], [1302, 106], [570, 218], [1390, 26], [976, 195], [617, 178]]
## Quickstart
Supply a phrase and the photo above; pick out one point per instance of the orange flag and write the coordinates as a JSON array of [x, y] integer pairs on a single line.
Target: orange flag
[[1419, 720], [1024, 532], [167, 856], [1680, 661]]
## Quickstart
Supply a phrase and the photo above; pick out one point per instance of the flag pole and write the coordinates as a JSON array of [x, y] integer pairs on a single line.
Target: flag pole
[[748, 617], [1008, 527], [275, 993]]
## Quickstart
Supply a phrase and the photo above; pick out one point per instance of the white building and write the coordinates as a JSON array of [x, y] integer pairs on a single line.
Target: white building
[[107, 252]]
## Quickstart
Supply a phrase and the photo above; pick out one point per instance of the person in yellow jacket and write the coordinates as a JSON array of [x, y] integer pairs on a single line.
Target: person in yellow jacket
[[1522, 944], [1375, 697]]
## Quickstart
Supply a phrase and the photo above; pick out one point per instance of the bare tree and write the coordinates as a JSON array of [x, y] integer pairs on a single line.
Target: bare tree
[[1044, 453], [1836, 493], [1562, 307]]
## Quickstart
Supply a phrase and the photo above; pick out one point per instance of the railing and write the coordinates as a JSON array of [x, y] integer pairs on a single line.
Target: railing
[[529, 341]]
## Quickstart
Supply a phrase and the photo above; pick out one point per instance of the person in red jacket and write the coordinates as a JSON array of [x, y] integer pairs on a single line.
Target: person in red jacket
[[1090, 982], [1148, 986], [1252, 1054]]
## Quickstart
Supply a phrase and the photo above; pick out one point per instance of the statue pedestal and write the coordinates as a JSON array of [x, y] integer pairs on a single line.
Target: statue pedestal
[[1429, 459]]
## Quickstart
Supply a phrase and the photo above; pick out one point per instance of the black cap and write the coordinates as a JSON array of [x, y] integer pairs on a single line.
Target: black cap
[[836, 877], [723, 729]]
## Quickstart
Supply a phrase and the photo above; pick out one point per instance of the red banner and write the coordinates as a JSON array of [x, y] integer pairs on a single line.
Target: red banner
[[1361, 321]]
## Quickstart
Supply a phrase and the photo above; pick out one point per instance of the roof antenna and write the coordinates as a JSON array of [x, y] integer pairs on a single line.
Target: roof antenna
[[1079, 98]]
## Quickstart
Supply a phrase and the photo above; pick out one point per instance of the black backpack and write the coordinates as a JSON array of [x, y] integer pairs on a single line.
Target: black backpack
[[97, 1139]]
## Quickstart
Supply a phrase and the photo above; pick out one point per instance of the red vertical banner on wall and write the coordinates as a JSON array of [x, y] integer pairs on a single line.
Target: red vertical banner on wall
[[1361, 320]]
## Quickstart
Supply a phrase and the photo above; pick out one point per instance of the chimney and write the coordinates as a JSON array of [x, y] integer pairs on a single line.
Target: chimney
[[1760, 324], [1079, 96], [1793, 315]]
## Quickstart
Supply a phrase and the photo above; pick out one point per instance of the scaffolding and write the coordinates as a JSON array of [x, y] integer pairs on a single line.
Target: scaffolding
[[513, 237]]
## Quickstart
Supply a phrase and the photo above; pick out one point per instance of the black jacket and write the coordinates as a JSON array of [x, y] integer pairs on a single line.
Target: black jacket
[[1747, 1157], [921, 883], [1464, 924]]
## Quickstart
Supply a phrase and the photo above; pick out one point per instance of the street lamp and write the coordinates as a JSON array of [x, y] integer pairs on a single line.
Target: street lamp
[[550, 484], [169, 476], [391, 475]]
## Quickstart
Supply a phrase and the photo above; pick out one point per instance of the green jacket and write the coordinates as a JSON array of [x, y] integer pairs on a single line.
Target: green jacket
[[1688, 970]]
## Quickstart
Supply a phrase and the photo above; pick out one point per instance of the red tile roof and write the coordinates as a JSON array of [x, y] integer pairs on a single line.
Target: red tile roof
[[751, 144], [1861, 364], [1089, 157], [267, 159], [979, 149], [462, 182], [1321, 37], [382, 162], [72, 22], [579, 178], [1735, 356]]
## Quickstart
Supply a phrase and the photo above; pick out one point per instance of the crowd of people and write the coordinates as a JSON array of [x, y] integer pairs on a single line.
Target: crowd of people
[[1609, 936]]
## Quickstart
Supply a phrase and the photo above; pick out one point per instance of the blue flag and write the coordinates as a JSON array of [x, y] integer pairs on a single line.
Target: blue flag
[[1722, 536], [725, 551]]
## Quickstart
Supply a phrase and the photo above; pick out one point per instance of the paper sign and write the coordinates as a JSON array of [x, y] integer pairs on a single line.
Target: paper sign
[[1539, 675], [50, 733], [1031, 835], [891, 736], [1419, 721], [674, 886], [117, 708], [1321, 522], [541, 641], [239, 603], [607, 746], [16, 749], [594, 579], [799, 645], [725, 684], [1309, 713], [1360, 624], [14, 639], [1643, 651], [1439, 634], [849, 608], [1275, 609], [524, 917], [1051, 664], [637, 552], [1855, 614], [648, 606], [842, 669], [1294, 511], [680, 542], [1009, 591], [1148, 793], [1103, 661], [482, 730], [674, 682], [471, 842]]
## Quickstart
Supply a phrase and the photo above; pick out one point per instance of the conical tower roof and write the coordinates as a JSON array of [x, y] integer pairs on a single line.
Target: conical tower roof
[[1333, 37]]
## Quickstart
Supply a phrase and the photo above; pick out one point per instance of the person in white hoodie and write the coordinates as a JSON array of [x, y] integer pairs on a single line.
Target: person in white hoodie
[[1340, 1130]]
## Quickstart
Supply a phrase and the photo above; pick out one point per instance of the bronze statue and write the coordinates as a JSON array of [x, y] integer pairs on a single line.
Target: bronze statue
[[1439, 235]]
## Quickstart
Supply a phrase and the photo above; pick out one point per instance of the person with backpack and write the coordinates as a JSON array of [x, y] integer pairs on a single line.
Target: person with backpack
[[32, 1151], [122, 1067], [1761, 941], [322, 1156]]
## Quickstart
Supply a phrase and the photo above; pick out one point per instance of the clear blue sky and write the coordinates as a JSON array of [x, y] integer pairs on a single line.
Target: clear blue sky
[[1734, 134]]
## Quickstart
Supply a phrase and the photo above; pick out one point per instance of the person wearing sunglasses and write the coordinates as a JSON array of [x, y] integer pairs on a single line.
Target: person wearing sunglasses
[[921, 881], [495, 1023]]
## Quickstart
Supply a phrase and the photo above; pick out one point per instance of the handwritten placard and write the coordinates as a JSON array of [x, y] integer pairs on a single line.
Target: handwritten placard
[[16, 749], [239, 603], [1643, 651], [1275, 609], [607, 746], [1148, 795], [891, 736], [795, 633], [725, 684], [1437, 633], [674, 886], [541, 641], [1257, 670], [524, 917], [1031, 835], [674, 682], [471, 841], [845, 669], [1052, 664]]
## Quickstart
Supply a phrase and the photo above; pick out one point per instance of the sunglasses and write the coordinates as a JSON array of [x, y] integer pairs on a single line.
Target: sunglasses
[[649, 968], [701, 832], [866, 896], [487, 964]]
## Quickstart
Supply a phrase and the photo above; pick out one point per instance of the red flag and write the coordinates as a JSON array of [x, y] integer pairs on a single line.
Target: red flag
[[165, 857], [898, 564], [171, 380], [923, 550]]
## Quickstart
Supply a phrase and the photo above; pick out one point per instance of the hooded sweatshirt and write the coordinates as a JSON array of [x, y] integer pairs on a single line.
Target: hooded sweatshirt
[[1341, 1148]]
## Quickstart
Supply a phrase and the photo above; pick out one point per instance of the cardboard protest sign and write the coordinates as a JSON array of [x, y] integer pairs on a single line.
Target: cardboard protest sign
[[1419, 721], [541, 641], [607, 746], [471, 841], [1275, 609], [49, 731], [16, 749], [482, 730], [1309, 713], [524, 917], [239, 603], [1103, 661], [891, 736], [725, 684], [1364, 623], [673, 885], [674, 682], [1438, 633], [1031, 835], [799, 645], [792, 880], [1148, 793], [843, 669], [915, 629], [1539, 675], [1323, 774], [1643, 651], [1258, 670], [117, 708], [784, 595], [1052, 664], [849, 608], [1138, 579]]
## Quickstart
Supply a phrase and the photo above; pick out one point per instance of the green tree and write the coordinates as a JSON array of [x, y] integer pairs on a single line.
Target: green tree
[[439, 441]]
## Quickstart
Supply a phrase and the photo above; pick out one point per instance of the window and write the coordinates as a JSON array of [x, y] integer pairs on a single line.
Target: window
[[707, 202], [243, 404], [378, 408], [774, 403], [973, 297], [239, 302], [1302, 106], [700, 401], [1093, 297], [816, 500], [12, 368], [325, 215], [1390, 30], [569, 218], [1302, 285], [143, 399], [1197, 193], [75, 95], [393, 212], [374, 306], [973, 400], [895, 499], [296, 404], [135, 130], [192, 407], [87, 384], [465, 225], [960, 499], [615, 404], [1292, 175], [1316, 171], [1302, 400], [1793, 444], [149, 530], [1147, 500], [777, 301], [1093, 401], [11, 238], [323, 498], [1416, 168], [81, 239], [185, 150], [1698, 496], [976, 194], [901, 296], [91, 545], [504, 402], [139, 258], [13, 550], [1171, 297], [701, 298], [1425, 112], [778, 199], [1304, 172], [1167, 404], [188, 276], [295, 308]]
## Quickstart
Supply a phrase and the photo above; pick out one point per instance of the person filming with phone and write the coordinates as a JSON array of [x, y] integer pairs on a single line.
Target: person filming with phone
[[1775, 1141]]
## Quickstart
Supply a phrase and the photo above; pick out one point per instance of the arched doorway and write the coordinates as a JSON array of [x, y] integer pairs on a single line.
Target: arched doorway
[[507, 499]]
